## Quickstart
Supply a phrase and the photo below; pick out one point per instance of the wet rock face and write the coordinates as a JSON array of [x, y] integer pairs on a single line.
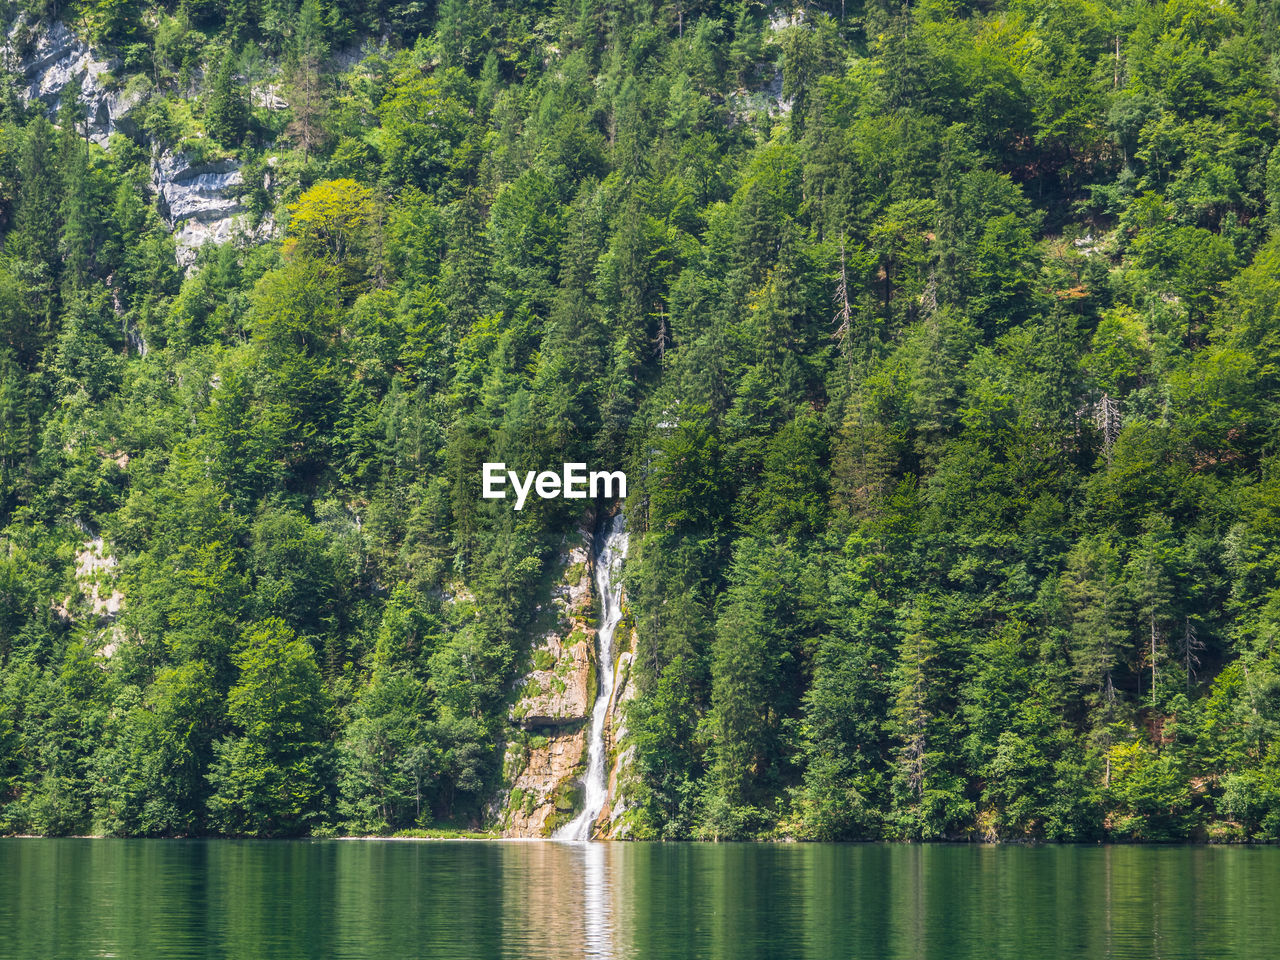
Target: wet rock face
[[562, 692], [560, 688], [543, 792], [545, 761], [614, 823], [544, 758]]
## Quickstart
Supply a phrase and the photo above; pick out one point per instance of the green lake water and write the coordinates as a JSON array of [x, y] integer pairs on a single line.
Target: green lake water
[[479, 900]]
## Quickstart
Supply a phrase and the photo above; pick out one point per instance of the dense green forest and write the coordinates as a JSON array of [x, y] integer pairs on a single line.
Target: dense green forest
[[940, 343]]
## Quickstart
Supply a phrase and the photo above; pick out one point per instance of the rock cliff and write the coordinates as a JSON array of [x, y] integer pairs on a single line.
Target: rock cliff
[[200, 199], [614, 824], [545, 753], [545, 756]]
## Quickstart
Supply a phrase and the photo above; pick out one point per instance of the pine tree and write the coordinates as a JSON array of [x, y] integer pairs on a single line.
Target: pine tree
[[1093, 586], [228, 115], [117, 21], [273, 777], [1151, 587], [466, 267], [34, 238], [456, 27], [15, 429], [81, 213], [307, 100]]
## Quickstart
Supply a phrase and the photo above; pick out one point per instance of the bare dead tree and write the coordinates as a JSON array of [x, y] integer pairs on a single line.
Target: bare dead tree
[[929, 298], [1155, 636], [843, 317], [1191, 646], [1108, 419]]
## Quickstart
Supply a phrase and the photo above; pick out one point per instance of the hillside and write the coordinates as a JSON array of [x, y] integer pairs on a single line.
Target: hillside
[[940, 345]]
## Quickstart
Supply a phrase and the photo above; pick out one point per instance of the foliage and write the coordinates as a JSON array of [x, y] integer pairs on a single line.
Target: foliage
[[270, 777], [945, 377]]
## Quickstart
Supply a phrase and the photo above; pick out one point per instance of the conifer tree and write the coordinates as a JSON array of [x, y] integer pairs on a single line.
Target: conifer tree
[[81, 213], [310, 49], [34, 241], [228, 115], [271, 778]]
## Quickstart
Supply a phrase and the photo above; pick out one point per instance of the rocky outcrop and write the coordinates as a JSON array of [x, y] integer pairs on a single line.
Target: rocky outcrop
[[193, 190], [544, 790], [560, 688], [613, 820], [100, 599], [200, 199], [562, 692], [765, 97], [95, 573], [53, 58], [544, 756], [764, 94]]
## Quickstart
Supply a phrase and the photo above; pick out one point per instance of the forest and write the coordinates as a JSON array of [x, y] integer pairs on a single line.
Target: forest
[[940, 344]]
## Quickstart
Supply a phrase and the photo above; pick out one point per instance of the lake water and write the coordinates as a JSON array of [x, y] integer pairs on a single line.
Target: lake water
[[476, 900]]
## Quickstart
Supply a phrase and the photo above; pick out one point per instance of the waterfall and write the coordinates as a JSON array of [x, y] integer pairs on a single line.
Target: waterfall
[[608, 564]]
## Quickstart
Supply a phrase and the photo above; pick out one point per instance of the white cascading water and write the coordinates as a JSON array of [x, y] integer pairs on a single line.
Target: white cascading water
[[608, 565]]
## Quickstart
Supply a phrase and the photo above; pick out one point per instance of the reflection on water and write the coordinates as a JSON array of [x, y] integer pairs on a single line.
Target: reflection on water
[[597, 896], [557, 901], [563, 901]]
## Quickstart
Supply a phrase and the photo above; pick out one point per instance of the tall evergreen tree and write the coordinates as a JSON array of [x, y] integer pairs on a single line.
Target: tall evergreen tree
[[228, 115]]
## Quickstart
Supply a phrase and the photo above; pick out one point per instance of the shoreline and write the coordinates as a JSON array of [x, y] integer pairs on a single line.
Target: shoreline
[[479, 838]]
